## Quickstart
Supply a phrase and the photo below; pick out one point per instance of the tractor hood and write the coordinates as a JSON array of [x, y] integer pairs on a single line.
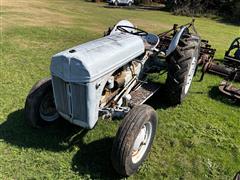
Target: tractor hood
[[94, 59]]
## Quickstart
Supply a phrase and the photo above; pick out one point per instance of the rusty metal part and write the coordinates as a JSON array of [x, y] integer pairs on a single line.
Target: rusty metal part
[[205, 67], [230, 64], [120, 82], [119, 79], [219, 69], [228, 89], [176, 27], [143, 93], [165, 42], [124, 80], [166, 37], [108, 96], [206, 53], [236, 75], [229, 68], [206, 57]]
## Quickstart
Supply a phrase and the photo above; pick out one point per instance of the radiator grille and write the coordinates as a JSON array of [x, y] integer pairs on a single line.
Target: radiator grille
[[60, 94], [79, 102], [70, 99]]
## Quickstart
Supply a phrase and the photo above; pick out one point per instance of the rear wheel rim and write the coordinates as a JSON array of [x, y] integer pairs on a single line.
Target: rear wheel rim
[[190, 74], [47, 108], [141, 142]]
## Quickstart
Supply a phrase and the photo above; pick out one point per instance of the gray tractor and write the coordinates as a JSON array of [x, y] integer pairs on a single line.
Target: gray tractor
[[107, 78]]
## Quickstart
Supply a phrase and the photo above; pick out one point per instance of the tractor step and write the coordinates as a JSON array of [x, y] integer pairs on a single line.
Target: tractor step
[[143, 93]]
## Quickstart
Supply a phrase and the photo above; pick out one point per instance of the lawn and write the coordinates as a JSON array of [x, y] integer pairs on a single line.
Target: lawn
[[199, 139]]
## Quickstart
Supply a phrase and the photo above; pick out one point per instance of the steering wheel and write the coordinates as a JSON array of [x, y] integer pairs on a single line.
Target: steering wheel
[[132, 30]]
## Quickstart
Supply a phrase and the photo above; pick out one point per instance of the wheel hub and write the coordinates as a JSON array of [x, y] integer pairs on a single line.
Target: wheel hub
[[47, 108], [141, 142]]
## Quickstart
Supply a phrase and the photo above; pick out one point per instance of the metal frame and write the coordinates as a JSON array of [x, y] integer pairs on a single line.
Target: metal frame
[[229, 68]]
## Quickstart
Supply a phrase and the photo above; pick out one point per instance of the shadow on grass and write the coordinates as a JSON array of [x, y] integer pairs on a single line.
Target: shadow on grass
[[94, 159], [159, 99], [215, 94], [226, 20], [57, 137]]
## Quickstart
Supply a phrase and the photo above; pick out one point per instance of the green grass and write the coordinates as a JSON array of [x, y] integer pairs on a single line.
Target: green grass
[[199, 139]]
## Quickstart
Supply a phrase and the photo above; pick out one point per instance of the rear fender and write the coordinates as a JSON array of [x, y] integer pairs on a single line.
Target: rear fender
[[175, 41]]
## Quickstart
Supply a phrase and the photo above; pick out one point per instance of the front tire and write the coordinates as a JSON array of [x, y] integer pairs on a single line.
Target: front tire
[[39, 106], [182, 63], [134, 139]]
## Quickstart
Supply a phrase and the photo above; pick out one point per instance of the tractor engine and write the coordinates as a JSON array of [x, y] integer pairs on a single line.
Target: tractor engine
[[118, 81], [88, 76]]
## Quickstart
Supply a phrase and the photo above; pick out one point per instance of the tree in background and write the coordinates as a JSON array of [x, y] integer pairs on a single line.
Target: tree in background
[[236, 10], [228, 8]]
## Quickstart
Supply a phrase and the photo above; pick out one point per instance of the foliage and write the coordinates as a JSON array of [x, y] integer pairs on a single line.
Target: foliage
[[231, 8], [199, 139], [236, 11]]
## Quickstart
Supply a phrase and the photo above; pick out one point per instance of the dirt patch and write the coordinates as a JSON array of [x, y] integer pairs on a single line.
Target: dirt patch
[[32, 13]]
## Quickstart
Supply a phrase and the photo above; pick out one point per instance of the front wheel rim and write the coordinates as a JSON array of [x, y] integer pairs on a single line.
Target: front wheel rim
[[47, 109], [141, 142]]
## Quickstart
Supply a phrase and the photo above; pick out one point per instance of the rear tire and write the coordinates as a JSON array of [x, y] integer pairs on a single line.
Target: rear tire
[[134, 139], [40, 109], [182, 63]]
